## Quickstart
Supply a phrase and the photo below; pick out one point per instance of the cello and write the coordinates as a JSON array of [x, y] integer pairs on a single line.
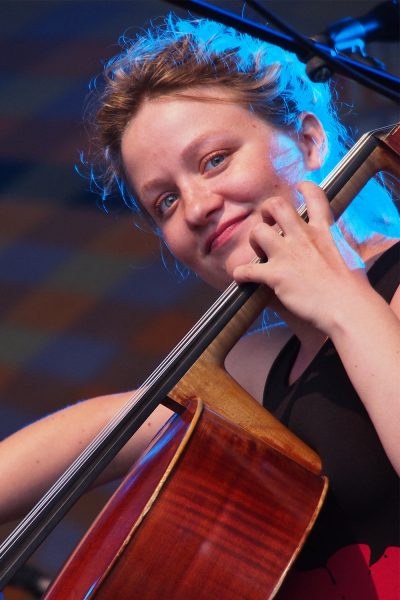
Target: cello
[[232, 494]]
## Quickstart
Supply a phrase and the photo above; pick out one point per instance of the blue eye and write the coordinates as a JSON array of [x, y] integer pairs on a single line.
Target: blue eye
[[165, 203], [214, 162]]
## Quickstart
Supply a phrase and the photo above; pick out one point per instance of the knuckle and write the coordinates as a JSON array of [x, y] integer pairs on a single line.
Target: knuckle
[[276, 202]]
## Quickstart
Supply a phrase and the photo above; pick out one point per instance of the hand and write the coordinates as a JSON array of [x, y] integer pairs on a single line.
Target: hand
[[305, 268]]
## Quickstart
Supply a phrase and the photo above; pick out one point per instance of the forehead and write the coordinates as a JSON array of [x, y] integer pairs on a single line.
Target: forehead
[[202, 100], [183, 114], [217, 93]]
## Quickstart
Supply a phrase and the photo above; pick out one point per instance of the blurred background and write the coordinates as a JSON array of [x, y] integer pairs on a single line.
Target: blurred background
[[87, 306]]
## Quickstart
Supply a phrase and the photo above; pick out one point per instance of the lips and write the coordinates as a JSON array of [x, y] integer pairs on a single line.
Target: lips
[[222, 233]]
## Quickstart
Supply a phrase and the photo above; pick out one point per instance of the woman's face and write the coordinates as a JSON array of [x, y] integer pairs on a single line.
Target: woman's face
[[202, 169]]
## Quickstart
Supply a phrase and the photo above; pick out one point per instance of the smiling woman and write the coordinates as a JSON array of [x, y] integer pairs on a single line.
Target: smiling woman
[[268, 81], [212, 165], [209, 133]]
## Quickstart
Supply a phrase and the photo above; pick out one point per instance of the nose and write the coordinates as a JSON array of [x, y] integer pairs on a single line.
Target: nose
[[200, 203]]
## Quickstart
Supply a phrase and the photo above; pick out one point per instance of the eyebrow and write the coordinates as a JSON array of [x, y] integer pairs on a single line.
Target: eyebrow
[[198, 142], [153, 185], [191, 149]]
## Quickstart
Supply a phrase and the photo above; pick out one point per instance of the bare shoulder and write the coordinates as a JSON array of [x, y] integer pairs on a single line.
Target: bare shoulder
[[251, 358]]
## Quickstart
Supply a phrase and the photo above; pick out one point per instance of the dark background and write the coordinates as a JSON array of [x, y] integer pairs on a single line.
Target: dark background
[[86, 306]]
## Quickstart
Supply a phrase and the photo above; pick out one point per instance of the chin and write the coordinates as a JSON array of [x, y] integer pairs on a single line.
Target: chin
[[221, 276]]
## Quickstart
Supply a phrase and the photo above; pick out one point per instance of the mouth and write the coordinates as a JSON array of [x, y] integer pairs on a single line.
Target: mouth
[[223, 233]]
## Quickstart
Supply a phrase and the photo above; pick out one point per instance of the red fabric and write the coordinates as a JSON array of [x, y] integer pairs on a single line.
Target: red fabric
[[348, 576]]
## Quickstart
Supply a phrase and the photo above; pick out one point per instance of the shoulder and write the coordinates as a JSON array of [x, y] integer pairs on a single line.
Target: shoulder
[[251, 358]]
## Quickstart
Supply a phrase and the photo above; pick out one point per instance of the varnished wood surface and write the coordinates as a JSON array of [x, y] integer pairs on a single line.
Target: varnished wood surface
[[227, 523], [226, 397]]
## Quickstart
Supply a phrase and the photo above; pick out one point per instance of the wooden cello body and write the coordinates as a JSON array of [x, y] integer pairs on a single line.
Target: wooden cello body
[[212, 529]]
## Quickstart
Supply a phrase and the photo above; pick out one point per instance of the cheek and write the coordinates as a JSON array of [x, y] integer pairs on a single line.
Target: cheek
[[178, 244], [262, 179]]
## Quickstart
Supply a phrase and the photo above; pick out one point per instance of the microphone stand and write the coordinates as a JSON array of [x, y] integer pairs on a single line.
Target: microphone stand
[[306, 48]]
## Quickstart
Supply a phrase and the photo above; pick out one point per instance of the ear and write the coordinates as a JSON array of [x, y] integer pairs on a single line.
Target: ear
[[312, 141]]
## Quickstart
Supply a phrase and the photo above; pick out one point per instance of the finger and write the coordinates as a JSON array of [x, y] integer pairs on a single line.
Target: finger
[[252, 272], [318, 209], [265, 240], [283, 213]]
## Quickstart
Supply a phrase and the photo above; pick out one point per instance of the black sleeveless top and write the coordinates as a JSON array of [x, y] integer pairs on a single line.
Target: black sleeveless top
[[361, 512]]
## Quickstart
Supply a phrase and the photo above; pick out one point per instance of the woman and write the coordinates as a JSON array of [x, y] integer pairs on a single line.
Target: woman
[[209, 133]]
